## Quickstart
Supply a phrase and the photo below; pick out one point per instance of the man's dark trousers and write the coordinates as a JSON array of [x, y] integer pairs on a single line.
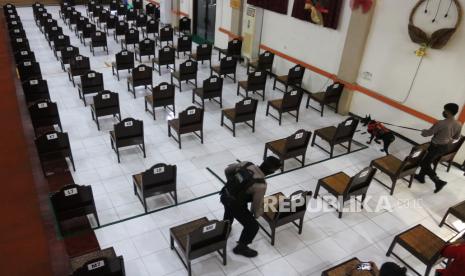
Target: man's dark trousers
[[427, 164]]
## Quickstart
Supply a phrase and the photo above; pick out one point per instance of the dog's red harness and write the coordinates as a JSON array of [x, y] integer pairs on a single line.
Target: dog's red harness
[[377, 129]]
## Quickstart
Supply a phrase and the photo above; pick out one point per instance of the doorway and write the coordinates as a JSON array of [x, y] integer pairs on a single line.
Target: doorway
[[204, 21]]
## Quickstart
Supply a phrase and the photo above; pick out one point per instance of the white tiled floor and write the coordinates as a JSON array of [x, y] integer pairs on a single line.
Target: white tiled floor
[[143, 241]]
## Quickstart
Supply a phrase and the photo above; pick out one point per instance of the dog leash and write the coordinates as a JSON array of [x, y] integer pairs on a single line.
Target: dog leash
[[415, 129]]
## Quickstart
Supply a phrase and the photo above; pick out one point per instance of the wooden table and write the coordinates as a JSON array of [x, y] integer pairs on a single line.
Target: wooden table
[[350, 266], [457, 211]]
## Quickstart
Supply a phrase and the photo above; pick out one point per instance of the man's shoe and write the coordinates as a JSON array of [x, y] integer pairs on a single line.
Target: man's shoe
[[420, 178], [244, 250], [439, 185]]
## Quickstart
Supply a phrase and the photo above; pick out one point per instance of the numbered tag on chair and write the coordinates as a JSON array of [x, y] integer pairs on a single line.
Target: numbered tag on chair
[[79, 58], [247, 102], [159, 170], [70, 192], [33, 82], [209, 228], [204, 46], [69, 49], [147, 41], [88, 25], [336, 85], [27, 63], [293, 93], [299, 135], [54, 28], [24, 53], [363, 174], [267, 54], [95, 265], [98, 34], [8, 6], [166, 29], [19, 40], [229, 58], [348, 123], [185, 38], [52, 136], [14, 23], [258, 74], [91, 75], [166, 50], [163, 87], [297, 69], [121, 23], [42, 105], [184, 20], [213, 80], [105, 96], [16, 31], [61, 37], [296, 197], [188, 64], [131, 31], [142, 69], [416, 154], [124, 53], [49, 20], [128, 124], [191, 112], [234, 41]]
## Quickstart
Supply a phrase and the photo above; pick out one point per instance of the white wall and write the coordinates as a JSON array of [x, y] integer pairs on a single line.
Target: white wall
[[223, 20], [310, 43], [389, 56]]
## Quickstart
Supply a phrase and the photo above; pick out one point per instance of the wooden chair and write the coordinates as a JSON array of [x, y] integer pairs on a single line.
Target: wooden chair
[[423, 244], [44, 116], [331, 96], [78, 66], [187, 71], [124, 60], [52, 34], [81, 22], [281, 210], [102, 18], [212, 88], [91, 83], [344, 187], [290, 148], [28, 70], [106, 103], [203, 53], [398, 169], [189, 121], [111, 24], [141, 76], [73, 201], [146, 48], [73, 20], [448, 158], [227, 67], [53, 147], [60, 43], [138, 5], [67, 54], [348, 266], [198, 238], [151, 27], [87, 32], [243, 112], [25, 55], [184, 45], [166, 56], [98, 39], [234, 49], [457, 211], [128, 132], [343, 133], [130, 16], [293, 78], [102, 263], [166, 35], [264, 63], [162, 96], [113, 5], [121, 29], [184, 26], [35, 89], [150, 9], [131, 37], [121, 9], [255, 82], [141, 21], [20, 44], [159, 179], [290, 102]]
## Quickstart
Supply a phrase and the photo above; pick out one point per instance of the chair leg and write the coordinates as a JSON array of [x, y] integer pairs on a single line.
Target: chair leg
[[234, 129], [238, 87], [280, 117], [267, 109], [274, 84], [322, 110], [317, 190], [391, 247], [410, 181], [313, 140], [394, 182], [273, 234], [444, 219], [179, 140], [301, 225], [308, 101]]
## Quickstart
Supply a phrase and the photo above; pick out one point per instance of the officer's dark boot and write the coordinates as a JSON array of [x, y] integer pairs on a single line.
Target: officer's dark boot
[[244, 250]]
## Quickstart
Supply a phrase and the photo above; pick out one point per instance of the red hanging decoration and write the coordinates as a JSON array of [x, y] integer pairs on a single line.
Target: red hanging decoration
[[365, 4]]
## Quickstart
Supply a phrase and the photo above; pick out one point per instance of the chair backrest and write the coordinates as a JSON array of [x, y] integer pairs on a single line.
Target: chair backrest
[[163, 91], [113, 5], [265, 60], [166, 33], [20, 43], [292, 99], [70, 197], [130, 15], [131, 36], [228, 62], [190, 116], [52, 141], [121, 9], [106, 99], [125, 59], [298, 140], [211, 233], [213, 84], [184, 43], [91, 78], [159, 174], [111, 21], [334, 91], [102, 266], [360, 182], [128, 128], [137, 4], [204, 51], [295, 203], [25, 55], [188, 67], [185, 24], [235, 47], [147, 46], [346, 129], [79, 63], [456, 145], [150, 8], [152, 26], [257, 79], [17, 32], [99, 37], [246, 106], [35, 89], [43, 109], [88, 30], [61, 41], [412, 160], [29, 70], [82, 21], [141, 20], [68, 53], [296, 74], [142, 72], [166, 55], [121, 27], [104, 15]]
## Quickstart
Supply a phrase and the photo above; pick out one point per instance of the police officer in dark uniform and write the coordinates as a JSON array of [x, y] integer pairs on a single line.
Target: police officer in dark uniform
[[246, 183]]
